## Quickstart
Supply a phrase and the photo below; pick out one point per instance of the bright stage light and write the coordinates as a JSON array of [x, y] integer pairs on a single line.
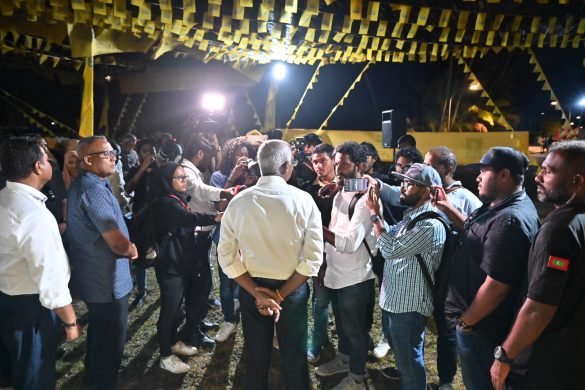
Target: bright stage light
[[582, 102], [213, 101], [279, 71]]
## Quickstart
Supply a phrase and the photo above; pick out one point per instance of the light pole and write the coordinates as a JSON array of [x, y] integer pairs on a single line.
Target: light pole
[[474, 86]]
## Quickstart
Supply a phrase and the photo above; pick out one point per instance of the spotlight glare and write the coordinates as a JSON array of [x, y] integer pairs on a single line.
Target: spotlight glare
[[213, 101], [279, 71], [582, 102], [108, 78], [554, 103]]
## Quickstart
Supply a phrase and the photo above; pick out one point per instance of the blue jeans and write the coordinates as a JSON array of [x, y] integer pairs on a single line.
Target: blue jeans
[[351, 307], [320, 303], [477, 356], [446, 347], [407, 331], [292, 332], [228, 291]]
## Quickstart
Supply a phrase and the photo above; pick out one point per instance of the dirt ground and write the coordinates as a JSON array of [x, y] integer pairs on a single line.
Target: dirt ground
[[220, 368]]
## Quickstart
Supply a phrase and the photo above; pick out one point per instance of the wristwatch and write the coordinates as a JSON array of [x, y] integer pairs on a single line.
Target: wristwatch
[[500, 354], [375, 218], [71, 325]]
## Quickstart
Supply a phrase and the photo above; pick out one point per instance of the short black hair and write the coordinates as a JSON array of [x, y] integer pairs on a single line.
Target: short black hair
[[312, 139], [370, 149], [445, 157], [412, 154], [196, 144], [356, 152], [407, 139], [573, 152], [18, 157], [324, 148]]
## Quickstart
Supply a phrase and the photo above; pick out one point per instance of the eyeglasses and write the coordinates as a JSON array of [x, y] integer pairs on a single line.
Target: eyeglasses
[[104, 154], [180, 178], [408, 183]]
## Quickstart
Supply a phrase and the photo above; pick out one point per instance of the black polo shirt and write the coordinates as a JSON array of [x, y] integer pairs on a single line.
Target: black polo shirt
[[556, 276], [495, 242]]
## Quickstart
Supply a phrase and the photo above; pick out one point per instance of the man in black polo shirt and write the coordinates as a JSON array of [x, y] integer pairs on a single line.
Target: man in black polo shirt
[[547, 337], [489, 268]]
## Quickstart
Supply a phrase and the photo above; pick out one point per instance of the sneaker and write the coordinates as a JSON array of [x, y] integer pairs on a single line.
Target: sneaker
[[313, 357], [225, 330], [332, 367], [348, 383], [180, 348], [446, 386], [202, 340], [390, 373], [381, 349], [173, 364]]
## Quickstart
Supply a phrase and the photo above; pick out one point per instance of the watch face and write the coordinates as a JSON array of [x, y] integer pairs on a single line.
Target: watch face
[[498, 352]]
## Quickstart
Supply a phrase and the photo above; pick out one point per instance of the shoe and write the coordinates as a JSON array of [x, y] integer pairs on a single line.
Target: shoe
[[348, 383], [335, 366], [208, 325], [173, 364], [225, 330], [180, 348], [213, 302], [138, 300], [202, 340], [313, 357], [390, 373], [446, 386], [381, 349]]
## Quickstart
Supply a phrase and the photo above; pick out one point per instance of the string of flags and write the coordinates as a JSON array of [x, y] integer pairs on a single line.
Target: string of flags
[[309, 87]]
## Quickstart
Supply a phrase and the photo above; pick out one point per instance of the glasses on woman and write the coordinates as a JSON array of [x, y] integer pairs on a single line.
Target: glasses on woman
[[180, 178]]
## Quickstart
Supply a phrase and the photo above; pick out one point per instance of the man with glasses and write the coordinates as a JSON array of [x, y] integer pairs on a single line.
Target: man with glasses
[[405, 298], [99, 250]]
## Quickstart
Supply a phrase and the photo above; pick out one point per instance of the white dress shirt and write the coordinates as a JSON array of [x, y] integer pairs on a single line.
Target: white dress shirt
[[270, 231], [32, 257], [202, 195], [349, 262]]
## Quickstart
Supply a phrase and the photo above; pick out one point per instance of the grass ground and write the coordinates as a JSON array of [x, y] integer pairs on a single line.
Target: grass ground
[[220, 368]]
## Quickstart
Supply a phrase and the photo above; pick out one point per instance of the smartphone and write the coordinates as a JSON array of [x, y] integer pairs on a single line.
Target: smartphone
[[355, 185]]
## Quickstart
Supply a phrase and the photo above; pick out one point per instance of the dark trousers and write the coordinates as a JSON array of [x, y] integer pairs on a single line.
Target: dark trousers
[[291, 330], [198, 289], [446, 347], [172, 288], [106, 337], [352, 307], [28, 334]]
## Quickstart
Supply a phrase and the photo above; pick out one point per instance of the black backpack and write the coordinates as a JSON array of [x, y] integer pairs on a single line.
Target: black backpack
[[452, 243]]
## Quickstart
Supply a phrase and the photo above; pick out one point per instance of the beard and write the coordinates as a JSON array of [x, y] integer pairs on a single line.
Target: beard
[[409, 200], [489, 192], [556, 196]]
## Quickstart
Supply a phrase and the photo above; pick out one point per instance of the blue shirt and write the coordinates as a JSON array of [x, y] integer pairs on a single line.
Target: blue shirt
[[98, 275]]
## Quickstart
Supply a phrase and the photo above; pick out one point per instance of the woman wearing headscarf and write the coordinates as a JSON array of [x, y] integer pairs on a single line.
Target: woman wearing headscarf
[[70, 167], [176, 267]]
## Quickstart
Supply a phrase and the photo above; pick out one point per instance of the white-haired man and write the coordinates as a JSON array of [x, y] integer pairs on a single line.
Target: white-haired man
[[271, 244]]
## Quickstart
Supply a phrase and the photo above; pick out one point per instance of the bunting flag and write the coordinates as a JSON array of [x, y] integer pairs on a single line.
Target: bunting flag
[[310, 86], [565, 120], [30, 118], [257, 121], [490, 104], [345, 95], [121, 115], [86, 121], [137, 114]]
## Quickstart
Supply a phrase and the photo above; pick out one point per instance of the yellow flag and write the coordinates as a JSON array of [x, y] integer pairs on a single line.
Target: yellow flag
[[86, 122]]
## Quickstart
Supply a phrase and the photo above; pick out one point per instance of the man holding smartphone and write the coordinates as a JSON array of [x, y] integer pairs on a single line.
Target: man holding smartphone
[[349, 277]]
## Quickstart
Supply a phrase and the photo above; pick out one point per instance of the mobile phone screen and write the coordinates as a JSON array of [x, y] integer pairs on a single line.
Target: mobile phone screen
[[355, 185]]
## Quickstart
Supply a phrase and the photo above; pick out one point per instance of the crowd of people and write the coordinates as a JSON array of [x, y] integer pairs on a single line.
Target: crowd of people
[[284, 224]]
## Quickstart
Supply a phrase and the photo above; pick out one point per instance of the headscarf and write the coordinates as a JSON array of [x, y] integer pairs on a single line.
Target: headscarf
[[163, 182], [67, 175]]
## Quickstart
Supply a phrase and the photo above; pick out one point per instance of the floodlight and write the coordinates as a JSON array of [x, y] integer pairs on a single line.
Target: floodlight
[[279, 71], [582, 102], [213, 101]]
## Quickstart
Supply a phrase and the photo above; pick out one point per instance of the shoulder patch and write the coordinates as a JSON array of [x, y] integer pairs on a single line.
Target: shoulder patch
[[558, 263]]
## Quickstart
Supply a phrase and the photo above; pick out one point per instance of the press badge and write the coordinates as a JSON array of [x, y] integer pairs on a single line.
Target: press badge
[[558, 263]]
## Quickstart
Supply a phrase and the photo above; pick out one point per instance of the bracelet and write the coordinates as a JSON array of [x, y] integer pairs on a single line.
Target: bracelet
[[71, 325], [279, 296]]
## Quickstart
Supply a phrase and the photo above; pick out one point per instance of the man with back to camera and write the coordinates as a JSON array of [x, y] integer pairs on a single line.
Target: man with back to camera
[[488, 270], [272, 269], [34, 270], [405, 298], [547, 338], [99, 249], [349, 277]]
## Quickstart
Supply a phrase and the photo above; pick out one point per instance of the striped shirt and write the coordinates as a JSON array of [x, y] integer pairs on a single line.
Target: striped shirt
[[404, 288]]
